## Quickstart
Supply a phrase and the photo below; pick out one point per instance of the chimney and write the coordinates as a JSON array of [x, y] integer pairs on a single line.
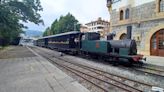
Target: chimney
[[129, 32]]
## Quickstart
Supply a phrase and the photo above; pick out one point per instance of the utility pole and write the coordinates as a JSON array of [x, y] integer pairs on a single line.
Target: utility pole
[[75, 26]]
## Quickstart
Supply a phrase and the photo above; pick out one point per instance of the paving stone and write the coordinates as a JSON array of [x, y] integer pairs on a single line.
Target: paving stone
[[76, 87], [155, 60], [35, 74]]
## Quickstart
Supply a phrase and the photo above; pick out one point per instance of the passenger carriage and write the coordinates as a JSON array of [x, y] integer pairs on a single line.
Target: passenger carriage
[[65, 42]]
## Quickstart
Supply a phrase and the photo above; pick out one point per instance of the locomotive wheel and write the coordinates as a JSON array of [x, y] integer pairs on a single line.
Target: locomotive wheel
[[129, 63], [94, 56], [139, 64], [115, 61], [74, 53]]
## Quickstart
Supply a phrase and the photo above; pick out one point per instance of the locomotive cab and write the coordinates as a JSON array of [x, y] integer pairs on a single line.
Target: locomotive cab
[[91, 36], [92, 44]]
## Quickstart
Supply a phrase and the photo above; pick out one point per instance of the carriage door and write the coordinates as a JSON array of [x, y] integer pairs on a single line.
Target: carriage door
[[46, 42], [157, 43], [71, 41]]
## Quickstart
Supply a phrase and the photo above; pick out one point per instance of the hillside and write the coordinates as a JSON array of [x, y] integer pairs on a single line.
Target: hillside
[[33, 33]]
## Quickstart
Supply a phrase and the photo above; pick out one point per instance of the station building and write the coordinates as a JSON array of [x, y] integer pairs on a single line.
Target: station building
[[99, 25], [83, 28], [146, 18]]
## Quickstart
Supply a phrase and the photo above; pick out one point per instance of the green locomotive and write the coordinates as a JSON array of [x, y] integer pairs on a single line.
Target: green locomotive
[[110, 49], [90, 44]]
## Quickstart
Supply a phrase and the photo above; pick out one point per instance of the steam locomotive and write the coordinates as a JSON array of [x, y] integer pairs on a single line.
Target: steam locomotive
[[90, 44]]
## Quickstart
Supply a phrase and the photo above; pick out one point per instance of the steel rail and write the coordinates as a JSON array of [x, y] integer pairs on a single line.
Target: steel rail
[[151, 68], [85, 67], [149, 72], [105, 72], [69, 68]]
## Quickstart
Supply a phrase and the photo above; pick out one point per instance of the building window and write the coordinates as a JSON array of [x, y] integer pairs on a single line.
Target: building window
[[121, 15], [127, 14], [109, 1], [161, 5]]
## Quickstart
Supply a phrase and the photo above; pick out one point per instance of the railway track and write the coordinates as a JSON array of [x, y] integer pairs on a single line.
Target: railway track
[[97, 76], [152, 71], [146, 68]]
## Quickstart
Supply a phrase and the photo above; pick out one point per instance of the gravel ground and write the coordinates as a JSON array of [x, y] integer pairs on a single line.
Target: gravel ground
[[116, 70], [85, 83], [143, 77], [15, 52]]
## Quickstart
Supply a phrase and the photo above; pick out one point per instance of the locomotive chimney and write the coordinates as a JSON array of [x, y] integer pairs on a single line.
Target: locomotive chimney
[[110, 36], [129, 32]]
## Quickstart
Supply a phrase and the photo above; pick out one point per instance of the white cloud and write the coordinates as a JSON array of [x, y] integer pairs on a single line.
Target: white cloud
[[84, 11]]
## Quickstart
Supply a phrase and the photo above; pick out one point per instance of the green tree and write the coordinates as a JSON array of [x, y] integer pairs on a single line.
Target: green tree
[[64, 24], [12, 12], [54, 27], [47, 32]]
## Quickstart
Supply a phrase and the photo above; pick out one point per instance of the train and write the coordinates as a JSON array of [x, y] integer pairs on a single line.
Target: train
[[90, 44]]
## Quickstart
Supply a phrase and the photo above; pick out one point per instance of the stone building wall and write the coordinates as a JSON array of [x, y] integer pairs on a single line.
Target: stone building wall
[[142, 12], [142, 18]]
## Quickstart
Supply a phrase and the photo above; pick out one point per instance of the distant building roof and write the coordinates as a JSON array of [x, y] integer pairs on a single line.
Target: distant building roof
[[98, 20]]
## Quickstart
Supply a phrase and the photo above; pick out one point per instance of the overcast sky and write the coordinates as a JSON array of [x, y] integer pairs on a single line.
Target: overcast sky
[[83, 10]]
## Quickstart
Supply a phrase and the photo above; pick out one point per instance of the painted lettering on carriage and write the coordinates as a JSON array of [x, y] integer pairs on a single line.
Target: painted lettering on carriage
[[97, 45]]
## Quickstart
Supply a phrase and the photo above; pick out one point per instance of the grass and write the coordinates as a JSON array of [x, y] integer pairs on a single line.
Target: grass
[[3, 47]]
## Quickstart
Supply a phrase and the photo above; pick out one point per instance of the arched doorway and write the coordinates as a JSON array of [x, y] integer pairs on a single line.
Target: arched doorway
[[123, 36], [157, 43]]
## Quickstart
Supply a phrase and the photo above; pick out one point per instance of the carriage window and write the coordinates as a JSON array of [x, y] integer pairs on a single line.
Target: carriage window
[[83, 37], [76, 40], [67, 39]]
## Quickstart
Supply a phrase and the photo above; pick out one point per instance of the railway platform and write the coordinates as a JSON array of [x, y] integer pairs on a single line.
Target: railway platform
[[155, 60], [24, 71]]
